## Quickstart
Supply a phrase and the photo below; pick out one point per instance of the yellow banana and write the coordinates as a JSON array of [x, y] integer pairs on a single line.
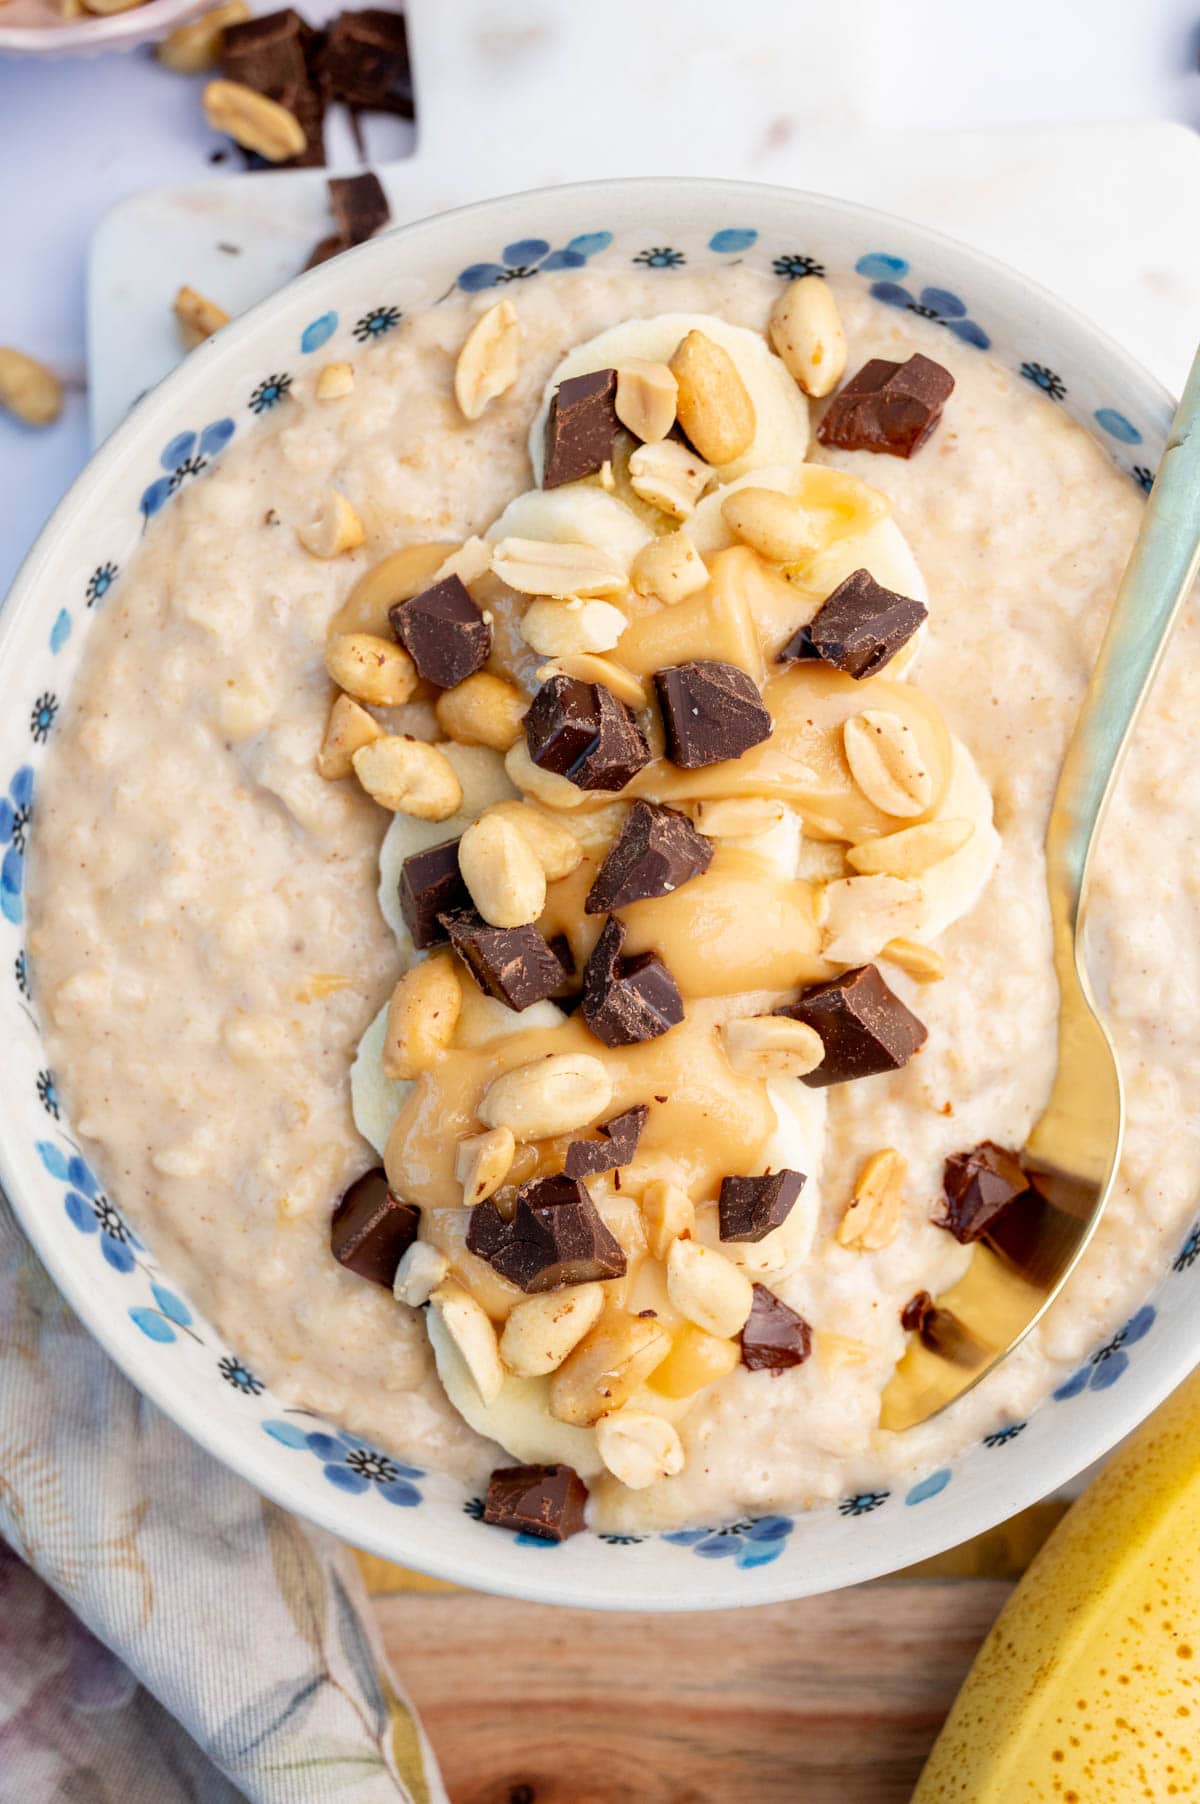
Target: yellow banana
[[1087, 1690]]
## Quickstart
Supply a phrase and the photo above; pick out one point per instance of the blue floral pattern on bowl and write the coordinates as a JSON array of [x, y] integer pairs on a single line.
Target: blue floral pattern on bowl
[[352, 1465], [1111, 1361], [938, 304], [527, 257], [187, 454], [16, 815], [754, 1541]]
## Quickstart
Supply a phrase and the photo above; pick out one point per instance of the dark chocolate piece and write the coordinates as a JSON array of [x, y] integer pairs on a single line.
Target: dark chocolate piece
[[324, 249], [617, 1145], [627, 1000], [443, 632], [890, 407], [979, 1186], [916, 1312], [546, 1501], [516, 965], [359, 205], [431, 885], [274, 55], [859, 628], [581, 427], [751, 1208], [364, 62], [372, 1229], [657, 849], [864, 1026], [711, 712], [581, 731], [556, 1236], [774, 1337]]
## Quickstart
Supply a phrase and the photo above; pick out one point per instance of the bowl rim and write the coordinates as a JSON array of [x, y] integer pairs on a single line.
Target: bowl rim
[[1016, 1486], [92, 34]]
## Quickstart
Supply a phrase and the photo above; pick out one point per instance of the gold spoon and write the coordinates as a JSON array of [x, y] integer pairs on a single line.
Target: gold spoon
[[1073, 1152]]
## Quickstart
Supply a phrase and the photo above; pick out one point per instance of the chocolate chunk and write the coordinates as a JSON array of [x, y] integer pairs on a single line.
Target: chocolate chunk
[[627, 1000], [774, 1337], [710, 711], [916, 1312], [359, 205], [546, 1501], [890, 407], [751, 1208], [324, 249], [616, 1146], [431, 885], [864, 1026], [979, 1185], [581, 427], [556, 1237], [656, 851], [372, 1229], [859, 628], [516, 965], [365, 62], [275, 56], [581, 731], [443, 632]]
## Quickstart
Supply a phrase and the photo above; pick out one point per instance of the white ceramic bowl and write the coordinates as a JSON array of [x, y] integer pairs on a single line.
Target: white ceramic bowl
[[93, 34], [160, 1339]]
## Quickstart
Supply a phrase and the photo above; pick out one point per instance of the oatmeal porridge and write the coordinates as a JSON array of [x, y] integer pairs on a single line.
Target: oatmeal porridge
[[541, 919]]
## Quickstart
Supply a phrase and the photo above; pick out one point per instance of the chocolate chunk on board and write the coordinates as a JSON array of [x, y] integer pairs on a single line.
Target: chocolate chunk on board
[[864, 1026], [516, 965], [617, 1145], [275, 55], [365, 62], [752, 1208], [556, 1236], [324, 249], [774, 1337], [627, 1000], [859, 628], [431, 885], [546, 1501], [891, 407], [443, 632], [372, 1229], [916, 1312], [711, 712], [583, 732], [657, 850], [359, 207], [581, 427], [979, 1186]]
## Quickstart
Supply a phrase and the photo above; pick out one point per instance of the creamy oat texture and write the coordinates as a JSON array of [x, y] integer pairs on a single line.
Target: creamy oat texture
[[209, 949]]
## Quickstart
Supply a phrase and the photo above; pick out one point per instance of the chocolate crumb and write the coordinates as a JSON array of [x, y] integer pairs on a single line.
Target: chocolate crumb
[[980, 1185], [774, 1337], [546, 1501], [752, 1208]]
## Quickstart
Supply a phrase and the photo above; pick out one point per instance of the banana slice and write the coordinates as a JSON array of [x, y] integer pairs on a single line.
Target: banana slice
[[576, 514], [484, 781], [375, 1100], [780, 409], [950, 889]]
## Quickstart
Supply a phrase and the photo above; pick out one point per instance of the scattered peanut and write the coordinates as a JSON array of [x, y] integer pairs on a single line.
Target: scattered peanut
[[253, 121], [482, 1163], [736, 817], [197, 318], [419, 1274], [885, 761], [471, 1330], [541, 1332], [504, 877], [670, 568], [489, 359], [422, 1016], [372, 670], [335, 382], [713, 408], [861, 914], [588, 667], [806, 330], [606, 1368], [543, 785], [553, 845], [541, 567], [349, 727], [397, 577], [639, 1447], [409, 777], [667, 1213], [337, 528], [912, 850], [669, 476], [778, 526], [482, 710], [28, 389], [554, 1095], [196, 46], [705, 1287], [921, 963], [872, 1220], [561, 628], [695, 1359], [469, 562], [772, 1046], [646, 396]]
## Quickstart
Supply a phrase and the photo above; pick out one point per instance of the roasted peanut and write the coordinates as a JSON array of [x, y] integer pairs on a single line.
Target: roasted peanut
[[419, 1274], [806, 330], [646, 396], [778, 526], [28, 389], [772, 1046], [544, 567], [484, 709], [667, 1212], [422, 1016], [541, 1332], [705, 1287], [669, 476], [561, 628], [554, 845], [197, 318], [503, 875], [488, 362], [554, 1095], [921, 963], [482, 1163], [349, 727], [713, 407], [335, 382], [372, 670], [253, 121], [872, 1219], [606, 1368], [470, 1328], [409, 777], [670, 568], [337, 528], [885, 761], [912, 850], [639, 1447]]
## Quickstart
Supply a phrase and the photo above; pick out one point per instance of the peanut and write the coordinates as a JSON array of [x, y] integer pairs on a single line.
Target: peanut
[[488, 362], [471, 1330], [349, 728], [707, 1289], [669, 476], [542, 1331], [714, 407], [589, 667], [807, 332], [606, 1368], [695, 1359], [667, 1213], [543, 785], [482, 1163], [736, 817], [779, 527], [772, 1046], [646, 396], [409, 777], [372, 670], [553, 845], [639, 1447], [197, 318], [872, 1219], [28, 389], [482, 710], [505, 880], [253, 121], [419, 1274], [554, 1095], [669, 568], [912, 850], [561, 628], [337, 528], [422, 1016], [335, 382], [922, 963], [860, 914], [542, 567], [885, 761]]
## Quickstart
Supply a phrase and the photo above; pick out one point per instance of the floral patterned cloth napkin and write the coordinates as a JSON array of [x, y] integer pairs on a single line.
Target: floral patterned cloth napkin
[[166, 1634]]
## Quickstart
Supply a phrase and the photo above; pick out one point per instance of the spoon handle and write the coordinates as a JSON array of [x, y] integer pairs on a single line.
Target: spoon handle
[[1158, 576]]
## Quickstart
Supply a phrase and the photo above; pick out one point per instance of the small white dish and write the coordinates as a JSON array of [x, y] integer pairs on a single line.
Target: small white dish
[[95, 33]]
